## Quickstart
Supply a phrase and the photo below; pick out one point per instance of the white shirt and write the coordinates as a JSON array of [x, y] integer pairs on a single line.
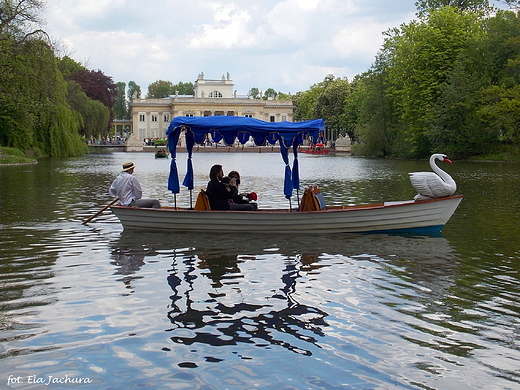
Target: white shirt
[[126, 188]]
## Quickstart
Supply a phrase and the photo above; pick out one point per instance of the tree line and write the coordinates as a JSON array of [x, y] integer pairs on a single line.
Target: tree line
[[47, 103], [447, 82]]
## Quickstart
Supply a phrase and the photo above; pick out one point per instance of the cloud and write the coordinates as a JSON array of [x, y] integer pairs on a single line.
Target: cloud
[[287, 45]]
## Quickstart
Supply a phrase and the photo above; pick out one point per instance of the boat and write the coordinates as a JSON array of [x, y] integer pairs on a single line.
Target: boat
[[311, 215], [318, 148], [428, 216], [161, 148]]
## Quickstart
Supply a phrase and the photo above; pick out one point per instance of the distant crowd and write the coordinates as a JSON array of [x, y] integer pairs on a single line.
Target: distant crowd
[[117, 140]]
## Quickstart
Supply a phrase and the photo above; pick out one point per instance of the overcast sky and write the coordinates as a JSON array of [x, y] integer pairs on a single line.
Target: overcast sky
[[287, 45]]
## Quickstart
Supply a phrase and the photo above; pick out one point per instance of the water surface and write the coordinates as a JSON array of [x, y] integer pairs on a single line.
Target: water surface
[[176, 310]]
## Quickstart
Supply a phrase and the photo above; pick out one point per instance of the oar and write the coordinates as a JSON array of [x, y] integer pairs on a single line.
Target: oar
[[99, 212]]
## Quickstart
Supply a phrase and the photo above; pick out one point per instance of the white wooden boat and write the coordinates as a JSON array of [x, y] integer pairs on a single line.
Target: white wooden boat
[[427, 216], [413, 215]]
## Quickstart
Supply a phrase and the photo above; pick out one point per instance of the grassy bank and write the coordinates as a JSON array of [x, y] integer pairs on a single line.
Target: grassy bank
[[15, 156]]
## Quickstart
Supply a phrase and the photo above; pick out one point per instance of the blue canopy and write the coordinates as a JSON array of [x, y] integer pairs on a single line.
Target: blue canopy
[[232, 128]]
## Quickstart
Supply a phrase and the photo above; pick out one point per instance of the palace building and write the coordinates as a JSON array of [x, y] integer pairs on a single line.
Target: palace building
[[151, 117]]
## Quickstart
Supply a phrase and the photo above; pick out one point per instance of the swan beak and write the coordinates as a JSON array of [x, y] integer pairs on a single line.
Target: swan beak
[[447, 160]]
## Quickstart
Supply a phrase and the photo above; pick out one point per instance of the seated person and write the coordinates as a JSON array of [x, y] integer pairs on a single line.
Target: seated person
[[127, 189], [244, 197], [220, 195]]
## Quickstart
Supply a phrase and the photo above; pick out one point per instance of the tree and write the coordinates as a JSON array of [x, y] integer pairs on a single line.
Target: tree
[[330, 104], [305, 102], [423, 54], [67, 65], [184, 88], [270, 93], [120, 104], [283, 96], [98, 87], [370, 108], [254, 93], [133, 88], [426, 6], [160, 89], [20, 20]]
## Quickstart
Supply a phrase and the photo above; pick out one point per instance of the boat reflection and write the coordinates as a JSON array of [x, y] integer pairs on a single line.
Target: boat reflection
[[231, 290], [240, 322]]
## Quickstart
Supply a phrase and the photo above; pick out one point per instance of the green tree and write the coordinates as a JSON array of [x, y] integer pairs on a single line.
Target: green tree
[[270, 93], [120, 104], [426, 6], [34, 112], [160, 89], [330, 104], [67, 66], [133, 88], [372, 111], [254, 93], [184, 88], [283, 96], [423, 54], [305, 102]]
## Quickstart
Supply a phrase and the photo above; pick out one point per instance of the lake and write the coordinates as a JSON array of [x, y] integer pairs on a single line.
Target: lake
[[97, 307]]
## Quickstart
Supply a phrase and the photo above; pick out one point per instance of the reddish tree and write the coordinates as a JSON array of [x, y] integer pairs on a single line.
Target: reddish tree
[[96, 86]]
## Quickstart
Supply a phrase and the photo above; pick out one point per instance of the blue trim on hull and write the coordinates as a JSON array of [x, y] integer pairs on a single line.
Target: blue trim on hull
[[428, 230]]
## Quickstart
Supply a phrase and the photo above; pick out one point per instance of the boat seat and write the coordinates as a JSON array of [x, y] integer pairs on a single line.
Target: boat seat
[[312, 199], [202, 202]]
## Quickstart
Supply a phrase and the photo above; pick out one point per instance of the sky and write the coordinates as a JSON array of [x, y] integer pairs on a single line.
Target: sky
[[287, 45]]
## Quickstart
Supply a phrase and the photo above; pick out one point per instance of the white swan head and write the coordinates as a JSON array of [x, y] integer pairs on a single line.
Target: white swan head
[[433, 185]]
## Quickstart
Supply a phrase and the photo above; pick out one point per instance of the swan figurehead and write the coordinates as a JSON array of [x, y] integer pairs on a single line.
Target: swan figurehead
[[431, 185]]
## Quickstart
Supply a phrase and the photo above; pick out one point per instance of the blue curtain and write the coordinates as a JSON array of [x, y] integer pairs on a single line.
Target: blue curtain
[[295, 168], [173, 178], [188, 179], [287, 182]]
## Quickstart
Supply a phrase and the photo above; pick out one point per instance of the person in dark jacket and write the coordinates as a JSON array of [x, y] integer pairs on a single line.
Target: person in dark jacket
[[220, 195], [244, 197]]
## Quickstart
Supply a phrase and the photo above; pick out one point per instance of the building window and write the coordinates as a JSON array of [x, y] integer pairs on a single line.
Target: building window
[[141, 117], [271, 118], [154, 118], [284, 117], [189, 114], [248, 115], [215, 94], [166, 118]]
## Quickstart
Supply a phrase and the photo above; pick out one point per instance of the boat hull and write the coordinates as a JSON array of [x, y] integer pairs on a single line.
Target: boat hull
[[420, 216]]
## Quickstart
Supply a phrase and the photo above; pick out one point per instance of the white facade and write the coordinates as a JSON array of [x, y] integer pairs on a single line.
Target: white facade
[[151, 117]]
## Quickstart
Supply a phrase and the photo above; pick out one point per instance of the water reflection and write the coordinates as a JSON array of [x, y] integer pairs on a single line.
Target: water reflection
[[227, 292], [217, 323]]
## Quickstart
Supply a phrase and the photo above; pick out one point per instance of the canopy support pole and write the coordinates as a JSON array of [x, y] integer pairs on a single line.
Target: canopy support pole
[[191, 199]]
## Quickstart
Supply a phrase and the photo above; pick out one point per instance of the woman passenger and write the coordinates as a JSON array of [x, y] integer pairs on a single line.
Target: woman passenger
[[220, 195]]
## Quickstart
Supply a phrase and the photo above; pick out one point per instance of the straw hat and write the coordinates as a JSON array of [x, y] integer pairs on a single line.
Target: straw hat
[[128, 165]]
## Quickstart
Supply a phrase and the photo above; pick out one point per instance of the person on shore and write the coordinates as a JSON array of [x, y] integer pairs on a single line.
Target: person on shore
[[220, 195], [128, 190], [244, 197]]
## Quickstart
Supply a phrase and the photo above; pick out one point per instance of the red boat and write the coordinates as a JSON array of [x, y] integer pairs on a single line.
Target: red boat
[[318, 148]]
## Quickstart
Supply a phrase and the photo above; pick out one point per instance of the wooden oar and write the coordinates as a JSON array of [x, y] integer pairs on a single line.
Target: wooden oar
[[99, 212]]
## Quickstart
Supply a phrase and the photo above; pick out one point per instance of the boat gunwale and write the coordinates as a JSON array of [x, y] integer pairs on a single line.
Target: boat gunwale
[[328, 209]]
